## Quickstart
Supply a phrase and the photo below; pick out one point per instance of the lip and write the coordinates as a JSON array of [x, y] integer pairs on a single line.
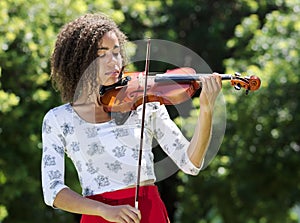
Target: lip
[[115, 72]]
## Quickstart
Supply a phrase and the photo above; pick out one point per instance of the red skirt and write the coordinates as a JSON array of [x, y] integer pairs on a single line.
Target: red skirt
[[151, 206]]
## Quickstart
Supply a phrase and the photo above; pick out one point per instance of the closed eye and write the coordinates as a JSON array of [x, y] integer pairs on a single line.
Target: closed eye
[[102, 51]]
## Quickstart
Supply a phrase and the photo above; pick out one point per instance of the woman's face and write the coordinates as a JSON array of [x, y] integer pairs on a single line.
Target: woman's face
[[110, 59]]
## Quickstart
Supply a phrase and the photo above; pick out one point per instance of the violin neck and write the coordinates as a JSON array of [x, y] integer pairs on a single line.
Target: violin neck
[[185, 78]]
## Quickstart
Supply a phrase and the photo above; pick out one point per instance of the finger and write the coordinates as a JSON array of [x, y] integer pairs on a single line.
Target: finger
[[135, 214], [126, 219], [132, 214], [134, 210], [203, 83], [213, 84], [217, 84], [138, 213], [131, 217], [210, 83], [121, 220], [218, 78]]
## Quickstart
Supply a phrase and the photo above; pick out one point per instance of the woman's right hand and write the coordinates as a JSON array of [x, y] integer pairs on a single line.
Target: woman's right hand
[[122, 214]]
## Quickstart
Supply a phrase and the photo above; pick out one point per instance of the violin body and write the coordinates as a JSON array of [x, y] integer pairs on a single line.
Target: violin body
[[130, 96]]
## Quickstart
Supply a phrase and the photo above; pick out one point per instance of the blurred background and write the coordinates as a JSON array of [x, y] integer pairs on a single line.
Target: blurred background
[[255, 177]]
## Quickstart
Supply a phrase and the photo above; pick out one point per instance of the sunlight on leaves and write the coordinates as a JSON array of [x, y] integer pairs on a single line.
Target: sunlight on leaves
[[3, 213], [41, 95], [7, 101], [3, 178]]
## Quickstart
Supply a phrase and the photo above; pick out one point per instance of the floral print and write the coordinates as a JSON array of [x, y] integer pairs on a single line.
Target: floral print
[[105, 155]]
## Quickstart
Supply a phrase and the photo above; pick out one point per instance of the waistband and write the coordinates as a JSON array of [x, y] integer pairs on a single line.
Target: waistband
[[144, 191]]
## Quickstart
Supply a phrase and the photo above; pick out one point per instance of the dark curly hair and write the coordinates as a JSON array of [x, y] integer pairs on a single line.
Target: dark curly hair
[[76, 48]]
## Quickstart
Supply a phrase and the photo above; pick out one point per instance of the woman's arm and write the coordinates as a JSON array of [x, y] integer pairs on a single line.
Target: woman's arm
[[211, 86], [70, 201], [57, 194]]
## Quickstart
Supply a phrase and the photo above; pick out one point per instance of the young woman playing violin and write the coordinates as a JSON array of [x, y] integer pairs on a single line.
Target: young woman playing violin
[[89, 53]]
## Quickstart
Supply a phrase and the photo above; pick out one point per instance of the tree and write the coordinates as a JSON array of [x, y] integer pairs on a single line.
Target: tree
[[250, 180], [27, 34], [247, 159]]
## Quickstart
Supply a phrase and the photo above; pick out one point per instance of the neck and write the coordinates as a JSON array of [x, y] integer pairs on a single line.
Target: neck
[[91, 111]]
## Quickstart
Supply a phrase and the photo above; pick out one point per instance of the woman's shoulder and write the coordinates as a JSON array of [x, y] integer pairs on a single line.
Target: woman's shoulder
[[61, 111], [63, 108]]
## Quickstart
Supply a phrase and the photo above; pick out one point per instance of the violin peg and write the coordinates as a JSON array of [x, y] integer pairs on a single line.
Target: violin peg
[[124, 81], [237, 86], [237, 74]]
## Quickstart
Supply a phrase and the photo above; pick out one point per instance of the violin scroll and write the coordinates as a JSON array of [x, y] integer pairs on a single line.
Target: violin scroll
[[251, 83]]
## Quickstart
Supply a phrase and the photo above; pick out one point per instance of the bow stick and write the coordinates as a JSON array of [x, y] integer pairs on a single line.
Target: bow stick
[[142, 126]]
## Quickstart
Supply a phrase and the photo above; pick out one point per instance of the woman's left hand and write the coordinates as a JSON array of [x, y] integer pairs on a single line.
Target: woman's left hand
[[211, 87]]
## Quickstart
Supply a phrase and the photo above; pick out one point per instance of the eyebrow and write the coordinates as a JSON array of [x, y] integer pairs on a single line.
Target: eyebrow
[[106, 48]]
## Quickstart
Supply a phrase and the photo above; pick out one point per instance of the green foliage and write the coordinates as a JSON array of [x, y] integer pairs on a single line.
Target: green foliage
[[27, 34], [28, 30], [254, 178]]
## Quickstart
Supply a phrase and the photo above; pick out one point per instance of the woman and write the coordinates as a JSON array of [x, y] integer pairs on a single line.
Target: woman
[[89, 53]]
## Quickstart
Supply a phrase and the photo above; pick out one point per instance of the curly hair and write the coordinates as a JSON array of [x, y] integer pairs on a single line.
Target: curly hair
[[76, 48]]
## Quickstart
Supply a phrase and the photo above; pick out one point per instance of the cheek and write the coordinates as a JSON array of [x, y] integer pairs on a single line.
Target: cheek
[[101, 66], [100, 71], [120, 61]]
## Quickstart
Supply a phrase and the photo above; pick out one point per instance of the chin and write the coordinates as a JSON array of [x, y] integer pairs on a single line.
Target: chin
[[110, 82]]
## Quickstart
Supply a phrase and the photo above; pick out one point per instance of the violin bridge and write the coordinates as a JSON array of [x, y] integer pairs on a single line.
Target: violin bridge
[[141, 79]]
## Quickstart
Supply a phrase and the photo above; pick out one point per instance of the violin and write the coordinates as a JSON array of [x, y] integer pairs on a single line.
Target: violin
[[169, 88]]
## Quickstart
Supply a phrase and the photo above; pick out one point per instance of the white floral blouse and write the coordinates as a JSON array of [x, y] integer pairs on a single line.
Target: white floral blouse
[[105, 155]]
